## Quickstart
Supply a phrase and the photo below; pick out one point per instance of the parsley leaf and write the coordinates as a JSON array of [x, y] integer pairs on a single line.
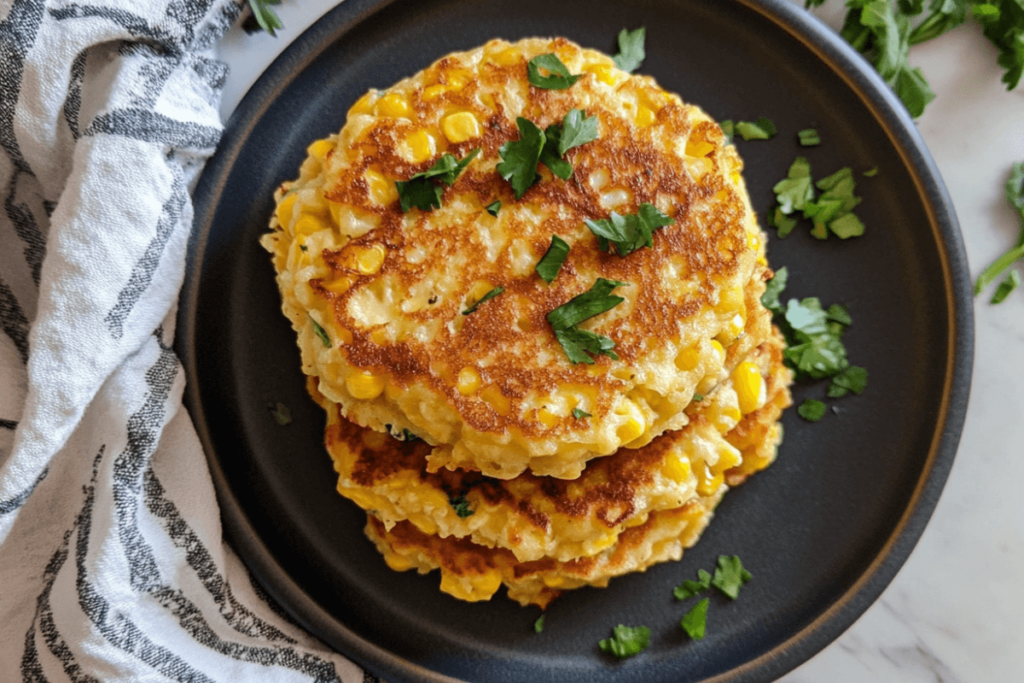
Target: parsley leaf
[[282, 414], [266, 17], [549, 153], [809, 137], [871, 172], [577, 129], [730, 575], [1014, 195], [576, 342], [762, 129], [580, 414], [1003, 24], [688, 589], [830, 211], [728, 129], [770, 298], [559, 77], [553, 258], [853, 379], [461, 506], [489, 295], [695, 621], [796, 190], [422, 192], [493, 208], [538, 625], [815, 349], [811, 410], [631, 49], [631, 232], [321, 332], [627, 641], [698, 397], [1011, 283], [519, 158]]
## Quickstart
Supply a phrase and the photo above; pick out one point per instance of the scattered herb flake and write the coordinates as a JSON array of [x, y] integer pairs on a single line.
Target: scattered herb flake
[[580, 414], [698, 397], [422, 192], [627, 641], [493, 208], [796, 190], [321, 332], [811, 410], [303, 247], [631, 49], [762, 129], [770, 298], [853, 379], [519, 158], [282, 414], [576, 342], [630, 232], [729, 129], [730, 575], [489, 295], [558, 77], [809, 137], [461, 506], [1011, 283], [538, 625], [408, 436], [549, 265], [871, 172], [695, 621], [688, 589]]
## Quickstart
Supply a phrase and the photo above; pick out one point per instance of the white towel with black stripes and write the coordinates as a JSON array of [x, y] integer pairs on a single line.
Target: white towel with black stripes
[[112, 564]]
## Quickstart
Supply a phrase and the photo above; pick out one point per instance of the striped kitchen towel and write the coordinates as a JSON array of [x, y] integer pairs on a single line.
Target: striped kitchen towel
[[112, 564]]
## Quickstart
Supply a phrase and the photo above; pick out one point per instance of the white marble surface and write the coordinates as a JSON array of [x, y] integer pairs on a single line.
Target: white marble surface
[[953, 614]]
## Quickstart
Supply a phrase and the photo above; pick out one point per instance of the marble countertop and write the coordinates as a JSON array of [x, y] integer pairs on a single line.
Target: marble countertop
[[953, 612]]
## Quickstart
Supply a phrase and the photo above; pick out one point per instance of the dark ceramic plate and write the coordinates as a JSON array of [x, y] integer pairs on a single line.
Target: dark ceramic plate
[[823, 530]]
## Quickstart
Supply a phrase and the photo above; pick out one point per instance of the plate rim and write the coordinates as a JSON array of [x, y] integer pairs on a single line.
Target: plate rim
[[894, 121]]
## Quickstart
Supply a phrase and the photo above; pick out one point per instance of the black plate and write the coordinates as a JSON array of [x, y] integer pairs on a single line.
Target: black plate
[[823, 530]]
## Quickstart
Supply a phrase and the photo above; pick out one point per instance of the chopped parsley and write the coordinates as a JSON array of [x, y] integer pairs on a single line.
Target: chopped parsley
[[626, 641], [630, 232], [578, 343], [871, 172], [811, 410], [577, 129], [282, 414], [698, 397], [461, 506], [409, 436], [688, 589], [729, 129], [538, 625], [797, 189], [303, 247], [1014, 195], [519, 158], [730, 575], [809, 137], [853, 379], [493, 208], [762, 129], [489, 295], [695, 621], [830, 211], [549, 265], [631, 49], [321, 332], [558, 77], [1011, 283], [422, 191], [580, 414]]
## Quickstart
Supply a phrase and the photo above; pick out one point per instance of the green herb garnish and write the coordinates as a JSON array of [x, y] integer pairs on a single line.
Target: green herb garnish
[[493, 208], [282, 414], [695, 621], [729, 129], [871, 172], [853, 379], [538, 625], [461, 506], [489, 295], [519, 158], [1014, 195], [730, 575], [266, 17], [797, 189], [558, 77], [770, 298], [422, 191], [698, 397], [630, 232], [1011, 283], [631, 49], [627, 641], [577, 129], [811, 410], [809, 137], [762, 129], [578, 343], [549, 265], [580, 414], [830, 211], [688, 589], [321, 332]]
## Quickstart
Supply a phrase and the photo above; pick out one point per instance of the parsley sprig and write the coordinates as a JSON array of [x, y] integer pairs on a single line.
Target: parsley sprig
[[578, 343], [558, 77], [626, 641], [422, 190], [631, 49], [630, 232], [519, 158]]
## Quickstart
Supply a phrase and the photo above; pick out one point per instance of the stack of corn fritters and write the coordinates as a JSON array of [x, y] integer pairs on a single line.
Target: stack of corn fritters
[[460, 424]]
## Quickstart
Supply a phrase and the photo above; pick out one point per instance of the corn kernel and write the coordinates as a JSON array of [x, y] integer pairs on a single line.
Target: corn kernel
[[734, 327], [603, 73], [369, 261], [547, 418], [634, 425], [506, 57], [421, 146], [606, 541], [285, 209], [749, 384], [698, 167], [308, 224], [338, 286], [644, 117], [753, 241], [698, 147], [319, 149], [364, 385], [364, 105], [394, 105], [460, 126], [397, 562], [362, 498], [553, 581], [487, 584], [497, 400], [458, 79], [382, 191], [730, 299], [374, 440], [469, 381], [706, 483], [677, 468], [687, 359], [432, 92], [728, 457], [423, 523], [342, 335]]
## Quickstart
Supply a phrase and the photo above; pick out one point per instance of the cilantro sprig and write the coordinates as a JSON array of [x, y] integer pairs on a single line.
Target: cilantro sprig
[[631, 49], [558, 77], [422, 190], [626, 641], [630, 232], [578, 343]]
